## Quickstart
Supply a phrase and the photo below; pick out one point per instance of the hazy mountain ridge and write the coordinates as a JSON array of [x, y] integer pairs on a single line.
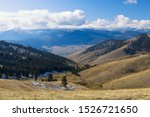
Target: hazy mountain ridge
[[65, 37]]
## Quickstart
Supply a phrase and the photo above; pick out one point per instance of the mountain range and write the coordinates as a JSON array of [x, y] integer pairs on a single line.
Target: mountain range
[[57, 40]]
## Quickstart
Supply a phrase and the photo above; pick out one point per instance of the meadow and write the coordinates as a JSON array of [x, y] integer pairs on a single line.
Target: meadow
[[23, 90]]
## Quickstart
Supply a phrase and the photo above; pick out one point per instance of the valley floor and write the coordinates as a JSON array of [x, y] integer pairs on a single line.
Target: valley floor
[[23, 90]]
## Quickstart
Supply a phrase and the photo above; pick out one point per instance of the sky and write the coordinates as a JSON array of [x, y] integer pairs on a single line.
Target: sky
[[99, 14]]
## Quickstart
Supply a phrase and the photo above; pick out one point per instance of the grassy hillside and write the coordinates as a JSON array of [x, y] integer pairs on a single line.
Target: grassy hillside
[[70, 77], [12, 89], [113, 50], [112, 71], [136, 80], [111, 56], [16, 85], [103, 52]]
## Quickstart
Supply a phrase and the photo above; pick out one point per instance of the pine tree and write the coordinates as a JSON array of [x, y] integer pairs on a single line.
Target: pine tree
[[50, 77], [64, 81]]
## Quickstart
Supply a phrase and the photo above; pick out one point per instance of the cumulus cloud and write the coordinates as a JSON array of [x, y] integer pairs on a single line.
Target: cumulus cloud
[[131, 2], [43, 19], [120, 21], [40, 19]]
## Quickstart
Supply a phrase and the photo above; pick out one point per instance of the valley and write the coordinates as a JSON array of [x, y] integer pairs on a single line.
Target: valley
[[65, 41], [112, 69], [126, 79]]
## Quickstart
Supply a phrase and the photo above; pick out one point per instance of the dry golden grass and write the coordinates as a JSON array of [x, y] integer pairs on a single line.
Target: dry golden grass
[[17, 85], [93, 59], [130, 75], [70, 77], [23, 90], [136, 80], [130, 94], [115, 70]]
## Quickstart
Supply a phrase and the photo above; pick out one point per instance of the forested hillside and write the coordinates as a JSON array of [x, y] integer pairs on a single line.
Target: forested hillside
[[21, 60]]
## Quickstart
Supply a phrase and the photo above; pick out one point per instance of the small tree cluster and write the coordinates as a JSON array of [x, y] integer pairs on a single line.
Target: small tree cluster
[[78, 68], [49, 79]]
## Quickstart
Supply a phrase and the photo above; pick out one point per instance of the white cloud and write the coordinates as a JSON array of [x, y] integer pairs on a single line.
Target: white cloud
[[120, 21], [40, 19], [131, 2], [43, 19]]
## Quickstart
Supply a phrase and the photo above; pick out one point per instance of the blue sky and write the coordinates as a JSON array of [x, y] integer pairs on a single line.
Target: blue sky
[[93, 9]]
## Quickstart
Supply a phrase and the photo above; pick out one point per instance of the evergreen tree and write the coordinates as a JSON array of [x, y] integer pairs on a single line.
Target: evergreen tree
[[64, 81], [50, 77]]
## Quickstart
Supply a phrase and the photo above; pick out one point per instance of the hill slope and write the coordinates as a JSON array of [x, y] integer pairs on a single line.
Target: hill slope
[[136, 80], [16, 85], [117, 74], [98, 53], [113, 50], [25, 60]]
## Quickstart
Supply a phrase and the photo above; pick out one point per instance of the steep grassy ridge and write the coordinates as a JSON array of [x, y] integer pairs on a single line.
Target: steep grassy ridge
[[115, 70]]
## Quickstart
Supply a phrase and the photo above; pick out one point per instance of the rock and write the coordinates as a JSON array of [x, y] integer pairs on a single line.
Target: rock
[[54, 86]]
